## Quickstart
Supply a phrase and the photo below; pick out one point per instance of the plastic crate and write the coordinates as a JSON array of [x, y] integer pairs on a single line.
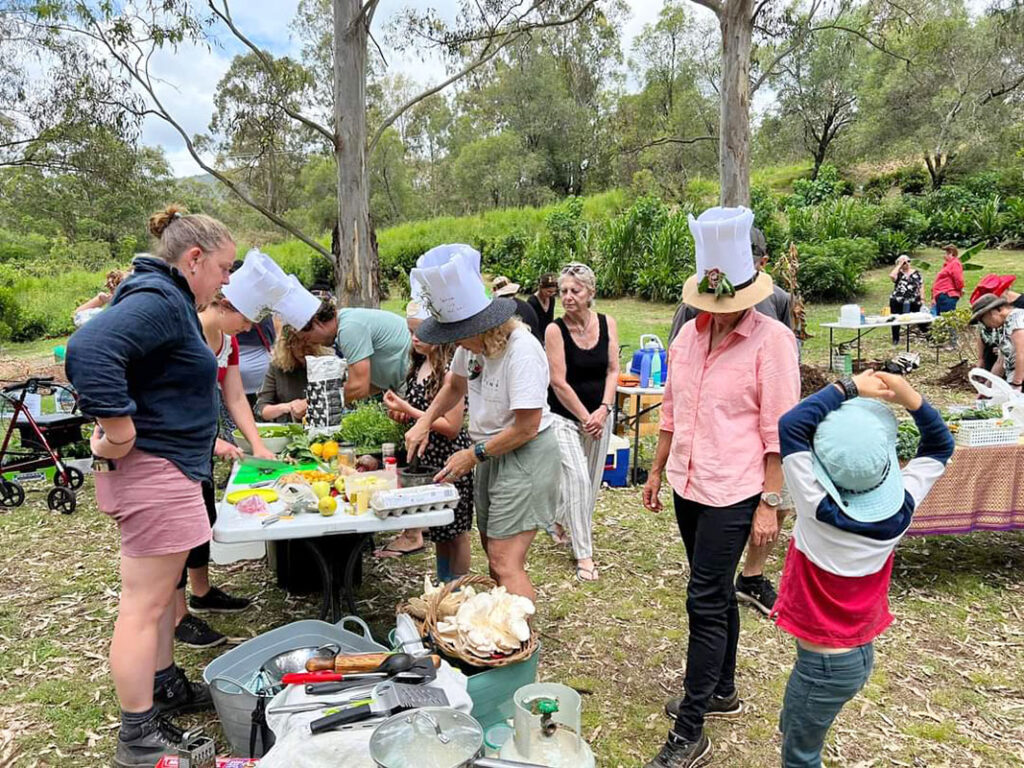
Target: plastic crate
[[981, 432], [226, 674]]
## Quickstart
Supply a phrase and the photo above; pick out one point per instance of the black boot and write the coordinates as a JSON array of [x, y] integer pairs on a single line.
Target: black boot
[[149, 742], [677, 752], [720, 707], [178, 696]]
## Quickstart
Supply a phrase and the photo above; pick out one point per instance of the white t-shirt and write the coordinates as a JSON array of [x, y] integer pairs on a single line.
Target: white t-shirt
[[513, 381]]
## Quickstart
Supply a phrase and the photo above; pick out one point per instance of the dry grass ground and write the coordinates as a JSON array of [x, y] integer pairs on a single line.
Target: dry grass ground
[[947, 689]]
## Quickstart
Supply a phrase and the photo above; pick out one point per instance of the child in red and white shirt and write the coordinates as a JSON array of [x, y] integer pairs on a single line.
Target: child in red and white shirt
[[853, 506]]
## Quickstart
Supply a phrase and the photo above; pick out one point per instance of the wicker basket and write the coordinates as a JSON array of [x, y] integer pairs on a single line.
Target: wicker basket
[[454, 650], [981, 432]]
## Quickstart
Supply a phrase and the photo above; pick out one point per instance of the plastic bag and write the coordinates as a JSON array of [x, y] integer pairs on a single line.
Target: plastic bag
[[325, 390]]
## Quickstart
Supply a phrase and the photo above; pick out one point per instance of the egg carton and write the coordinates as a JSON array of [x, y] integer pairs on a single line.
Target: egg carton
[[408, 501]]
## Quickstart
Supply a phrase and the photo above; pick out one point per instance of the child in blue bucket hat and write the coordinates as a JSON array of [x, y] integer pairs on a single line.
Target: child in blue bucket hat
[[853, 505]]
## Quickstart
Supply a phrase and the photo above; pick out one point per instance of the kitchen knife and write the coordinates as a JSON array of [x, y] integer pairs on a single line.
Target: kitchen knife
[[388, 698]]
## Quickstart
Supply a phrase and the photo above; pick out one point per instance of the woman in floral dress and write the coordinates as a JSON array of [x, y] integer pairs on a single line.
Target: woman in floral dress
[[906, 293], [447, 436]]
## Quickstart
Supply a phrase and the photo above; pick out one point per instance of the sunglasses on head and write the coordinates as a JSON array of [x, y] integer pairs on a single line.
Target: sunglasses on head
[[577, 269]]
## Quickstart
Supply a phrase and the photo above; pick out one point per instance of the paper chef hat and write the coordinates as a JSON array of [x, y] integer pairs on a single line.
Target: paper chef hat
[[453, 292], [261, 284], [726, 279]]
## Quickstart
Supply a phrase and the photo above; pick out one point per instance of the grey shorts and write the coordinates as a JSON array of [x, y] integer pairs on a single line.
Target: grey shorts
[[518, 492]]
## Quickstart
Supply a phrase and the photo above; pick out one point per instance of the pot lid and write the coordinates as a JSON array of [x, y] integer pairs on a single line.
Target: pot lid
[[431, 737]]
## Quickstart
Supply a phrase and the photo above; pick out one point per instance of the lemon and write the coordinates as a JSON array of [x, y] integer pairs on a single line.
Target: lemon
[[327, 506], [317, 449], [330, 450]]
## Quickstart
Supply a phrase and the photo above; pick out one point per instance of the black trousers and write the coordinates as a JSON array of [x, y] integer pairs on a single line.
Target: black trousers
[[714, 538], [200, 556], [896, 307]]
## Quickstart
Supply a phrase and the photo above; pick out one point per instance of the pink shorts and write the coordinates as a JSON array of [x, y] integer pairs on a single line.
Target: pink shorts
[[158, 509]]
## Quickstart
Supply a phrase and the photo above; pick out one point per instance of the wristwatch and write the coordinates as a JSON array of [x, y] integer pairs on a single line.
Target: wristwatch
[[849, 387], [480, 451], [770, 499]]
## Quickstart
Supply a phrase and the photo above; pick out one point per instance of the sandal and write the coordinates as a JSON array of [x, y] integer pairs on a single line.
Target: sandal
[[586, 574], [390, 551]]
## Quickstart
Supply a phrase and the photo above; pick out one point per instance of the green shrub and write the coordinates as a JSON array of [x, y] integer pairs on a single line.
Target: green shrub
[[22, 249], [988, 221], [626, 243], [833, 271], [892, 244], [841, 218], [765, 206], [828, 186], [670, 262]]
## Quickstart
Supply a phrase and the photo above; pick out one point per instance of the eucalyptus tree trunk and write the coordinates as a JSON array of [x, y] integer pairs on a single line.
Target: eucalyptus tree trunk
[[735, 18], [353, 246]]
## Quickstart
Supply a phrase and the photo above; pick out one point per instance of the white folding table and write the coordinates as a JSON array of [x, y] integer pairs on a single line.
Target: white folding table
[[863, 329], [233, 527]]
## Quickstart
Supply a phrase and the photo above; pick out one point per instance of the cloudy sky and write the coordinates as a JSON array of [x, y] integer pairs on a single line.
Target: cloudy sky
[[190, 74]]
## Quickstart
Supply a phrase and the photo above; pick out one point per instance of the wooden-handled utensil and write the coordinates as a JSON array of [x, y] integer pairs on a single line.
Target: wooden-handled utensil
[[389, 663]]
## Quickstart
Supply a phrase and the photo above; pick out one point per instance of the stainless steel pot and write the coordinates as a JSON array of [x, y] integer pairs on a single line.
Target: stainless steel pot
[[439, 737]]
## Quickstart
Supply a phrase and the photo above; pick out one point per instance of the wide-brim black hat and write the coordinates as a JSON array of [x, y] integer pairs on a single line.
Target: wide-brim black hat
[[433, 331]]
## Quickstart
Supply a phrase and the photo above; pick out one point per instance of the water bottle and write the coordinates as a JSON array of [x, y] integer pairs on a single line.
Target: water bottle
[[645, 370], [656, 367], [862, 319], [906, 307]]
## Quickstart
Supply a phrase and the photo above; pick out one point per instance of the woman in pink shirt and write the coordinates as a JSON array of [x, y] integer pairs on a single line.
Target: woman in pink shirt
[[949, 283], [732, 373]]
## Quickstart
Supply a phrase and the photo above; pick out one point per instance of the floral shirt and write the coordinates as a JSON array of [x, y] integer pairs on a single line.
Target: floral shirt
[[908, 287], [1014, 322]]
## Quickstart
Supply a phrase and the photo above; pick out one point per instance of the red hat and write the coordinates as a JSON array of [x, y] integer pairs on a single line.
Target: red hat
[[995, 284]]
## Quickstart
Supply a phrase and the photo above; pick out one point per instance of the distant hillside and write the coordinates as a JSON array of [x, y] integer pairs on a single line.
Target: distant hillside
[[202, 178]]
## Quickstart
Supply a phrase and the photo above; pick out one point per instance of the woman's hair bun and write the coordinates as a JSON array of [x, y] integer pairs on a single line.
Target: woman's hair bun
[[159, 221]]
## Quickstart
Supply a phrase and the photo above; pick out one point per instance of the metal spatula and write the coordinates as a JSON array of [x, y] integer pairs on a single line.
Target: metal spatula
[[388, 698]]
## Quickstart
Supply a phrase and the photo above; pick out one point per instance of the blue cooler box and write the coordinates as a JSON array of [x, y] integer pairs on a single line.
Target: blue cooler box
[[616, 467]]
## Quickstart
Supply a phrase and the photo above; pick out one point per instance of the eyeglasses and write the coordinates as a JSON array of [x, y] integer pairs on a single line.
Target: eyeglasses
[[577, 269]]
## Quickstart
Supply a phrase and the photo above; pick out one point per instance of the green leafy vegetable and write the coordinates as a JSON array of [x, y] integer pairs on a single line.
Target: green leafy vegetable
[[907, 440], [368, 427], [975, 414]]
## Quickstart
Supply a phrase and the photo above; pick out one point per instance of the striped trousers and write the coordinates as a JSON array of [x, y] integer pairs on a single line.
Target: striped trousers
[[583, 460]]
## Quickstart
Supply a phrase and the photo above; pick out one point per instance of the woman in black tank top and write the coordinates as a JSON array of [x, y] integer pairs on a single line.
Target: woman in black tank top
[[582, 350]]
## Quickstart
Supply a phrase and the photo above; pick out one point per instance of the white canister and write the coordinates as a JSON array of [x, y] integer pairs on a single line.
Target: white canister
[[849, 314]]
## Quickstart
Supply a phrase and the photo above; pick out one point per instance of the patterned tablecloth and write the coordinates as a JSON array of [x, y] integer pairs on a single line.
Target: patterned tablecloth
[[982, 490]]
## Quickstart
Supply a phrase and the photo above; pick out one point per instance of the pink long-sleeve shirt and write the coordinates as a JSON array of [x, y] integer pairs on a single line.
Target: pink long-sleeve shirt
[[723, 407], [950, 280]]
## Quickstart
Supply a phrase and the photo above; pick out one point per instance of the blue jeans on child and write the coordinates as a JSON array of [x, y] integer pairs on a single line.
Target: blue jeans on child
[[818, 687]]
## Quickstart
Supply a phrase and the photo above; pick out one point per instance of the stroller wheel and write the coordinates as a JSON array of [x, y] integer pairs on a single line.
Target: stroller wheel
[[11, 493], [75, 478], [61, 499]]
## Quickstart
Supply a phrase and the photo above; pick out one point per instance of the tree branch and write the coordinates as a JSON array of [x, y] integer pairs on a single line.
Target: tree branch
[[995, 93], [666, 140], [401, 110], [506, 37], [268, 65], [142, 78], [714, 5]]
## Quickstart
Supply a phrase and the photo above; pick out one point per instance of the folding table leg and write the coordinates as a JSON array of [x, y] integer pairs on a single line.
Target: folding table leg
[[328, 593], [351, 563]]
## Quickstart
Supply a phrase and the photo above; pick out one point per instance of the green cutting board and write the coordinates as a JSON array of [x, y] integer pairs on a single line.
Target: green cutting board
[[247, 475]]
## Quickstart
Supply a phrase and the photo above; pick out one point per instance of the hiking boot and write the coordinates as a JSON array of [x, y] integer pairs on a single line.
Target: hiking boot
[[719, 707], [757, 591], [217, 601], [154, 739], [196, 633], [178, 696], [677, 752]]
